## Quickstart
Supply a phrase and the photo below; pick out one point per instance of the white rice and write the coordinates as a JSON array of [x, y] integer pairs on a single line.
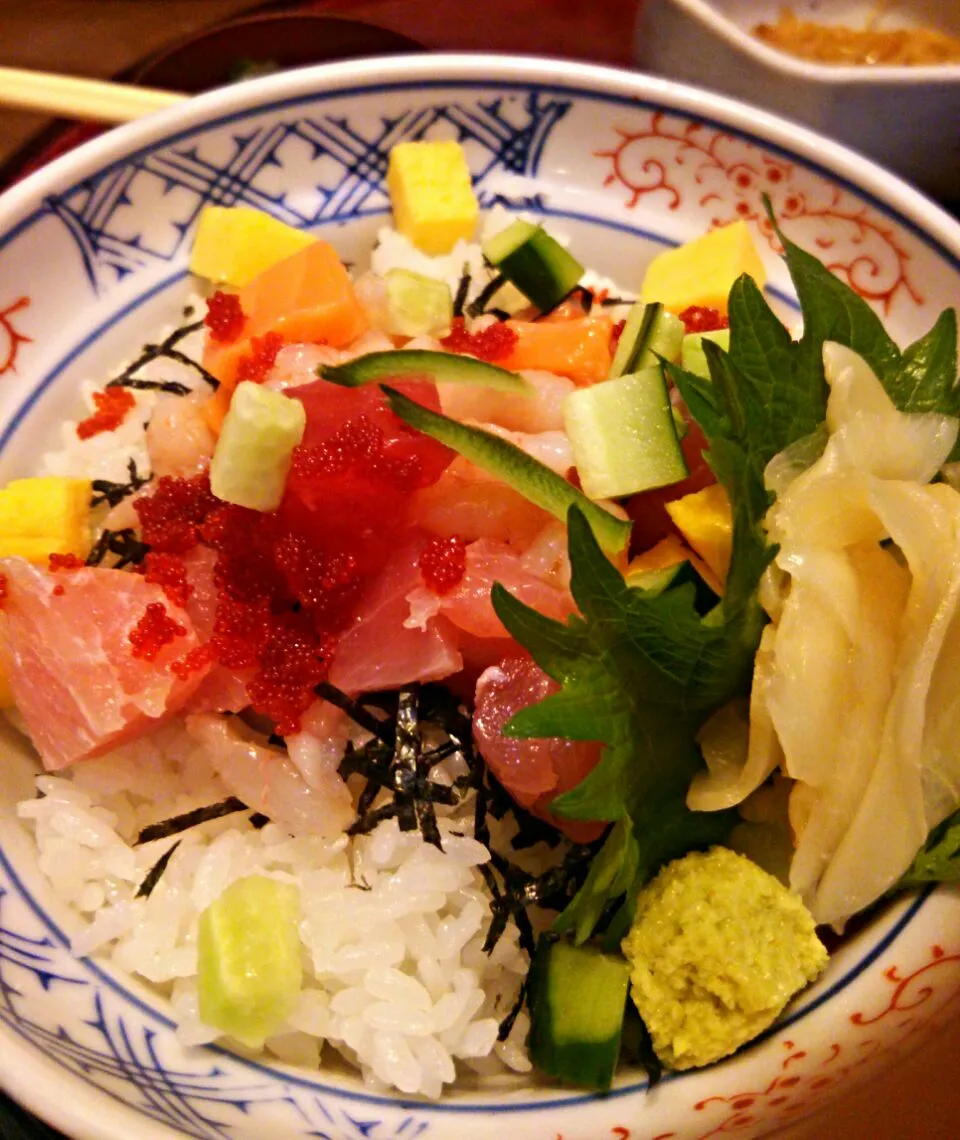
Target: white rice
[[392, 930]]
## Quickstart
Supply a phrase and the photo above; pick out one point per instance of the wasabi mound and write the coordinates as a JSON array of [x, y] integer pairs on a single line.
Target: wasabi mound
[[717, 949]]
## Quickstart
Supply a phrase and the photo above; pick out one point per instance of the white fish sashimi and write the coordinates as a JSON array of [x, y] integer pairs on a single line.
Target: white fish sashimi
[[268, 781]]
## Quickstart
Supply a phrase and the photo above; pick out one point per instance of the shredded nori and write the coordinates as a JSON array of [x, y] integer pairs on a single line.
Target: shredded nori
[[145, 890], [463, 288], [611, 301], [123, 544], [166, 349], [503, 1032], [106, 491], [178, 823], [360, 715], [402, 771], [479, 304]]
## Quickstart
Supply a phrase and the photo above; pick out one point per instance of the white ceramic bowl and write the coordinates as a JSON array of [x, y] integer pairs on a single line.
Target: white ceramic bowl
[[93, 254], [904, 117]]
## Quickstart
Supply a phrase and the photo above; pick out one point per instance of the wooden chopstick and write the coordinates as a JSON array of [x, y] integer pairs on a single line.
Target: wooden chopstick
[[88, 99]]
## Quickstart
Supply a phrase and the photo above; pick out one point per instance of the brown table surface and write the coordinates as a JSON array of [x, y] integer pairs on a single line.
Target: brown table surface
[[918, 1101]]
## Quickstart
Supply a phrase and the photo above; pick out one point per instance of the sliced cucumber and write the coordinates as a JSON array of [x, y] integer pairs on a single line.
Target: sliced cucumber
[[514, 467], [249, 972], [578, 997], [417, 305], [693, 358], [624, 436], [445, 366], [650, 332], [534, 262], [252, 458]]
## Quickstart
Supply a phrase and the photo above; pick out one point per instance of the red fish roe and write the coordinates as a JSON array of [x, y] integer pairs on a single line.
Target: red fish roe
[[616, 333], [169, 572], [170, 517], [360, 448], [256, 364], [59, 591], [443, 563], [4, 589], [699, 319], [224, 319], [153, 631], [112, 405], [64, 562], [292, 663], [492, 343], [192, 662]]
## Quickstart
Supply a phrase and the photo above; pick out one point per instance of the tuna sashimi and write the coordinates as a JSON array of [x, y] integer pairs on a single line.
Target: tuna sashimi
[[81, 684], [382, 649], [534, 772]]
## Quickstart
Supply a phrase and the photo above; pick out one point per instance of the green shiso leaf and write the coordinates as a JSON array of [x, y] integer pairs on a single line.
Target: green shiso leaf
[[938, 861], [640, 674]]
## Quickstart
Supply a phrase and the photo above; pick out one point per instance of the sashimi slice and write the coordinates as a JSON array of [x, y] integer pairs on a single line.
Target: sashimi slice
[[467, 502], [469, 606], [65, 644], [380, 651], [534, 772]]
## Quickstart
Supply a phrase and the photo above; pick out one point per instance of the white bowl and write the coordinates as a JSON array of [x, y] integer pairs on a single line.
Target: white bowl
[[93, 254], [907, 118]]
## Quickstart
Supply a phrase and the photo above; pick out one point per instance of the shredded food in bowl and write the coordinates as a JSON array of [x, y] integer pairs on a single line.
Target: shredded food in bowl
[[839, 44]]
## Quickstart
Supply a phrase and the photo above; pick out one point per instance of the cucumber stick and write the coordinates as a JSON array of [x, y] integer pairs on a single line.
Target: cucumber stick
[[624, 435], [513, 466], [534, 262], [445, 366], [578, 997], [252, 458], [650, 332], [249, 972]]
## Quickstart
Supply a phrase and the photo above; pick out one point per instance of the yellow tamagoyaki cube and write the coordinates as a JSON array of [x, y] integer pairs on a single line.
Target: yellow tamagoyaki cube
[[432, 195], [701, 271], [705, 520], [234, 244], [46, 515]]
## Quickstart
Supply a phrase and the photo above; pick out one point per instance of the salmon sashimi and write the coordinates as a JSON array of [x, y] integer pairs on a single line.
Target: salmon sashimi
[[306, 298], [468, 502], [89, 656], [534, 772]]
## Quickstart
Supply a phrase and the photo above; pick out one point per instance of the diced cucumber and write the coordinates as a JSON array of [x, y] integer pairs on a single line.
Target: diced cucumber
[[417, 305], [650, 332], [249, 972], [513, 466], [623, 435], [693, 358], [535, 262], [445, 366], [578, 997], [252, 458]]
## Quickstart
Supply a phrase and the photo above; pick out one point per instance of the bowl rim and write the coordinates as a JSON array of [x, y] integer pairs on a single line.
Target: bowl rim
[[127, 143], [706, 13]]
